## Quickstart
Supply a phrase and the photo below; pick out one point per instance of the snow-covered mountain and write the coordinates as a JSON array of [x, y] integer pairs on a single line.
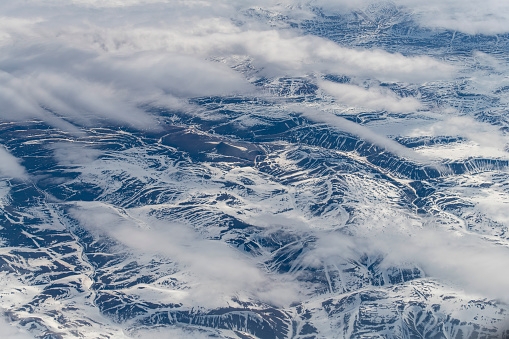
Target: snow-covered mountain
[[273, 170]]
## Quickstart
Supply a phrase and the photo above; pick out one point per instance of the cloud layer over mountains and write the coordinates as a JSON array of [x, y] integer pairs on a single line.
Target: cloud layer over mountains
[[78, 63], [86, 61], [92, 63]]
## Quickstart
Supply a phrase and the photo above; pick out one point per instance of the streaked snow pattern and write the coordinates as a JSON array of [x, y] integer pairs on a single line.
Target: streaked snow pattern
[[270, 169]]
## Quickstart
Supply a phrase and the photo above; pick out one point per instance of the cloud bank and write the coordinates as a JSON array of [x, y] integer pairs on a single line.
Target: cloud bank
[[90, 62]]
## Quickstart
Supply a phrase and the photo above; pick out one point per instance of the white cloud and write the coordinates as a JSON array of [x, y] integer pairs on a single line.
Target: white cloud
[[470, 262], [12, 27], [207, 264], [10, 165], [363, 132], [177, 75], [486, 139], [468, 16], [314, 54], [113, 3], [59, 98], [66, 64], [175, 332], [71, 154], [12, 332], [375, 99]]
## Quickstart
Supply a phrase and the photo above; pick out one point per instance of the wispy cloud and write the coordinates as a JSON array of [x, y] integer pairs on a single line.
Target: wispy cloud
[[11, 331], [464, 16], [485, 139], [74, 154], [10, 165], [363, 132], [175, 332], [374, 99], [471, 262], [207, 264], [63, 65]]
